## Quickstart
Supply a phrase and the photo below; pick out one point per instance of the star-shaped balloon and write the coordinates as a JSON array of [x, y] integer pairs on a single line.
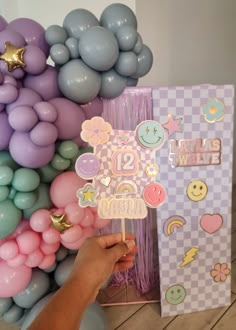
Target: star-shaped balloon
[[13, 56], [60, 223], [173, 125], [87, 195]]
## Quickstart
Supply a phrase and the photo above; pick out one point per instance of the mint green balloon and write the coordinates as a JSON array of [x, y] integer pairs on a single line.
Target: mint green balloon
[[25, 200], [48, 173], [6, 175], [68, 149], [25, 180], [43, 201], [10, 217], [4, 193], [12, 193], [7, 160], [59, 163]]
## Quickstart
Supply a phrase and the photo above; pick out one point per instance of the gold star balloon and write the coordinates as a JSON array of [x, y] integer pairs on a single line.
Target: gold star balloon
[[60, 223], [13, 56]]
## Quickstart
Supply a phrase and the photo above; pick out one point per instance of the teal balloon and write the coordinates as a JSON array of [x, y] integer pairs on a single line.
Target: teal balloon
[[25, 180], [43, 201], [94, 318], [47, 173], [6, 175], [4, 193], [64, 269], [73, 47], [139, 45], [68, 149], [145, 61], [127, 37], [55, 34], [112, 84], [25, 200], [12, 193], [38, 286], [13, 314], [59, 54], [7, 160], [127, 64], [5, 304], [10, 217], [61, 253], [60, 163]]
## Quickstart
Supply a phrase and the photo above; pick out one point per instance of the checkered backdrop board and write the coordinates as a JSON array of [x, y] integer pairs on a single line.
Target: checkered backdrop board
[[202, 292]]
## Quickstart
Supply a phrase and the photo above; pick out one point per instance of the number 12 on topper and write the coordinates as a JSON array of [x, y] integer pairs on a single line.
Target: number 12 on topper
[[122, 168]]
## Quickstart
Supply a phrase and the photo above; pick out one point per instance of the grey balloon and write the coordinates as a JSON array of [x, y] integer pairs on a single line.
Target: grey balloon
[[61, 253], [73, 47], [112, 84], [78, 82], [127, 37], [55, 34], [127, 64], [51, 269], [98, 48], [37, 288], [78, 21], [13, 314], [117, 15], [59, 54], [5, 304], [94, 318], [132, 82], [64, 269], [139, 45], [145, 61]]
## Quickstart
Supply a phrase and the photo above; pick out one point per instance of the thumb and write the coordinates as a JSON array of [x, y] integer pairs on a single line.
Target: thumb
[[121, 249]]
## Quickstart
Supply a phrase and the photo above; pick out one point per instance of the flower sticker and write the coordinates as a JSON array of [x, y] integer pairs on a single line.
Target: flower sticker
[[152, 169], [96, 131], [220, 272], [213, 110]]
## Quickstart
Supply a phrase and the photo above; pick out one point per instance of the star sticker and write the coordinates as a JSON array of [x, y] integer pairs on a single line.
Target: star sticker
[[123, 139], [173, 125], [60, 223], [13, 56], [87, 195]]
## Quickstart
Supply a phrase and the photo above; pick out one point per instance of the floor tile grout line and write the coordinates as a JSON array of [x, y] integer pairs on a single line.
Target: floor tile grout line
[[174, 318], [130, 317], [223, 315]]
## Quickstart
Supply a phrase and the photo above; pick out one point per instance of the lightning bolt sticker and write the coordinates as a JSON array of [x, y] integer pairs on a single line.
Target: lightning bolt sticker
[[189, 256]]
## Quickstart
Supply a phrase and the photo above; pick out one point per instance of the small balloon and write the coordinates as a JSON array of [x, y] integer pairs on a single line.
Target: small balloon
[[127, 64], [5, 304], [44, 134], [145, 61], [60, 255], [48, 250], [34, 259], [8, 250], [35, 60], [72, 235], [22, 118], [59, 54], [51, 236], [10, 217], [6, 175], [13, 314], [17, 261], [28, 242], [40, 220], [73, 46], [6, 131], [68, 149], [47, 173], [88, 218], [55, 34], [127, 37], [46, 111], [60, 163], [13, 37], [132, 81], [25, 200], [7, 160], [93, 108], [48, 261], [63, 270], [139, 45], [75, 213], [112, 84], [25, 180], [4, 193]]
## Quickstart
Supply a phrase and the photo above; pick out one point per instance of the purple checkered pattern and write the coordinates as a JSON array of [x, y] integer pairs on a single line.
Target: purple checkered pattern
[[201, 291]]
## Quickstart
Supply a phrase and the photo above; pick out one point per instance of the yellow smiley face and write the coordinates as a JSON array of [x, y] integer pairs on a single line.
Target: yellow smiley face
[[197, 190]]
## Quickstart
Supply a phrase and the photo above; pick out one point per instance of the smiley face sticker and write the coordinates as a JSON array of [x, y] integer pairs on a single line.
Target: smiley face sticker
[[154, 194], [87, 166], [175, 294], [150, 134], [197, 190]]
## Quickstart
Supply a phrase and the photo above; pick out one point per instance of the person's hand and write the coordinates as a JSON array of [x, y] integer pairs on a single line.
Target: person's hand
[[101, 256]]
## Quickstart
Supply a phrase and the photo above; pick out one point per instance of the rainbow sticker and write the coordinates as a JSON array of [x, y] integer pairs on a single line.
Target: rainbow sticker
[[172, 223], [126, 188]]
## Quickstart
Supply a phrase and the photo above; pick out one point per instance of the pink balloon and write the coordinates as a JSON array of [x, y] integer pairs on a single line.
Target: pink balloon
[[87, 232], [75, 213], [40, 220], [23, 226], [47, 262], [63, 188], [26, 97], [8, 250], [93, 108], [28, 242], [49, 248], [46, 111], [51, 236], [88, 219], [72, 234], [35, 60], [43, 134], [34, 259], [73, 246], [13, 280], [17, 261], [101, 223]]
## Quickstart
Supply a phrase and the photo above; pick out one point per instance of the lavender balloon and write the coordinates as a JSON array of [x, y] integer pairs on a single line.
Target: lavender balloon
[[22, 118], [93, 108], [8, 93], [5, 131], [43, 134], [13, 37], [3, 23], [35, 60], [46, 111], [26, 97]]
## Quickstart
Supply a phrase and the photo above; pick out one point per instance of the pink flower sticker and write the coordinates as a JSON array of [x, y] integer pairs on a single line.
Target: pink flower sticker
[[220, 272], [96, 131]]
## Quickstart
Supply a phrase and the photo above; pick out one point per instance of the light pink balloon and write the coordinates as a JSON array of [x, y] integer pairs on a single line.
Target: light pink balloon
[[87, 232], [28, 242], [13, 280], [8, 250], [75, 213], [23, 226], [49, 248], [17, 261], [88, 218], [72, 234], [40, 220], [48, 261], [64, 187], [51, 236], [34, 259], [101, 223], [73, 246]]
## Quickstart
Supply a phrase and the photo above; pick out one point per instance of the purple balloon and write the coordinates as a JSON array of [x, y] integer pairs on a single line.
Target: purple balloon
[[1, 78], [35, 60], [32, 31], [27, 154], [8, 93], [45, 84], [2, 107], [26, 97], [69, 120], [93, 108], [18, 73], [3, 23], [46, 111], [22, 118], [44, 134], [5, 131], [10, 80], [13, 37]]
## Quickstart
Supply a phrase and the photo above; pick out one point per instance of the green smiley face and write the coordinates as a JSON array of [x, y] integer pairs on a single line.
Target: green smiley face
[[175, 294], [151, 134]]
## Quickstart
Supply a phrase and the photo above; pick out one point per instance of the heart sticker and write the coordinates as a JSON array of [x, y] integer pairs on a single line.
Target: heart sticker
[[106, 181], [211, 223]]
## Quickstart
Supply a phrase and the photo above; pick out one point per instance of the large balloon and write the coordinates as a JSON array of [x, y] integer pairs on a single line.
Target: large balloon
[[78, 21], [112, 84], [10, 217], [78, 82], [117, 15], [3, 23], [145, 61], [98, 48]]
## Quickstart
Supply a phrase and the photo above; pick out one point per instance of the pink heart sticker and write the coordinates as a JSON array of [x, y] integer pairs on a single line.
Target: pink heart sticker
[[211, 223]]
